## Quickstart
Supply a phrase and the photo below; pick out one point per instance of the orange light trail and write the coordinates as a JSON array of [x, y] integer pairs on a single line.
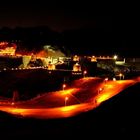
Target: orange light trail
[[57, 99]]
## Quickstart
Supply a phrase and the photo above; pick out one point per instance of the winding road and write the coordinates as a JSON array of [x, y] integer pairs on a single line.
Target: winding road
[[81, 96]]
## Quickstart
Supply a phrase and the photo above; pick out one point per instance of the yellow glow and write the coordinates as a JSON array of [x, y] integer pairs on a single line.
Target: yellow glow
[[76, 67], [102, 98], [114, 79], [120, 74], [68, 108], [115, 57], [76, 58], [69, 91], [17, 110], [109, 86], [100, 89], [51, 67], [7, 48], [109, 90], [93, 59]]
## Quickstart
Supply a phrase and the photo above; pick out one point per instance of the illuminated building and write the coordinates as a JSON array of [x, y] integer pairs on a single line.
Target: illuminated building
[[93, 59], [76, 58], [51, 66], [7, 48], [76, 67]]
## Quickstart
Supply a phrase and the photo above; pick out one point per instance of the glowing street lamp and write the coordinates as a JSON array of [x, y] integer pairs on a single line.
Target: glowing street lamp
[[115, 57], [106, 79], [84, 73], [64, 86], [100, 89], [66, 99], [120, 75], [114, 79]]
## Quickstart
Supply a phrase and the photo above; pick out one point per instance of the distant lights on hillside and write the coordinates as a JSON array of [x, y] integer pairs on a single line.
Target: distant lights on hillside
[[7, 48], [3, 43], [76, 67], [76, 58], [51, 66], [93, 59]]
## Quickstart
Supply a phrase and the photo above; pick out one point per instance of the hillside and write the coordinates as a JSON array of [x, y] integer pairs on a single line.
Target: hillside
[[115, 118]]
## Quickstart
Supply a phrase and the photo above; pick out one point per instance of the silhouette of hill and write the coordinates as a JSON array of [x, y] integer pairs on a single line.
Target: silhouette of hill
[[82, 41]]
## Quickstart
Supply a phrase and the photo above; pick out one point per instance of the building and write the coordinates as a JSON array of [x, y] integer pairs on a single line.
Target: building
[[7, 48]]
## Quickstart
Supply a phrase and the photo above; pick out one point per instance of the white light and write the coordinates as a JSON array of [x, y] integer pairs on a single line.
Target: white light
[[114, 79], [115, 57]]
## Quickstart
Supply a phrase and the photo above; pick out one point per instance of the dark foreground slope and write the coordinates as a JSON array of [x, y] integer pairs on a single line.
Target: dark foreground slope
[[116, 118]]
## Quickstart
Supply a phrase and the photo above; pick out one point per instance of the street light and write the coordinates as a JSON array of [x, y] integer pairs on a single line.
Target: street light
[[100, 89], [115, 57], [66, 98], [106, 79], [85, 72], [64, 86], [12, 103], [120, 75], [114, 79]]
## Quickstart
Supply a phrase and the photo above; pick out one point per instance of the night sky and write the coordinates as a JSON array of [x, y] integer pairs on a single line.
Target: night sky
[[68, 15], [56, 15], [122, 23]]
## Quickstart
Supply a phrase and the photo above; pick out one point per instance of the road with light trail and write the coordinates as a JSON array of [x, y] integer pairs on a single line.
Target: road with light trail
[[83, 95]]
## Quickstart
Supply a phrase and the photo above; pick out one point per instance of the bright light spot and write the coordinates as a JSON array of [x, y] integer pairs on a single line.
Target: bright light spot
[[76, 67], [114, 79], [64, 85], [93, 59], [66, 98], [120, 74], [106, 79], [51, 66], [69, 91], [100, 89], [85, 72], [109, 86], [115, 57], [76, 58], [68, 108], [17, 110], [102, 98]]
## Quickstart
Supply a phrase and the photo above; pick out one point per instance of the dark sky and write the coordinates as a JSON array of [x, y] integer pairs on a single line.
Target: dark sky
[[120, 21], [56, 15]]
